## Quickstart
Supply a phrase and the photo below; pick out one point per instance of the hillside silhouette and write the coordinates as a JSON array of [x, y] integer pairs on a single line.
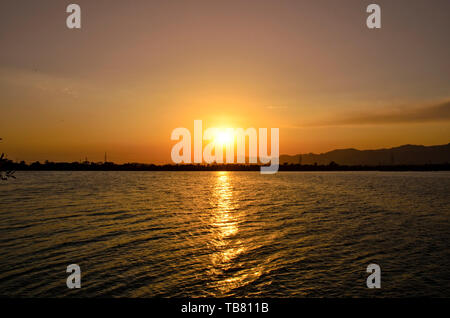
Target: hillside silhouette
[[403, 155]]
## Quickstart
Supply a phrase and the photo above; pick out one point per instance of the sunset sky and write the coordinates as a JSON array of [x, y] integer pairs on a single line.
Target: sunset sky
[[138, 69]]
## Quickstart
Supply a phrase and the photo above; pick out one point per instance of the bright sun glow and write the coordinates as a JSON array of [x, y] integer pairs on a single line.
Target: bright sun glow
[[224, 137]]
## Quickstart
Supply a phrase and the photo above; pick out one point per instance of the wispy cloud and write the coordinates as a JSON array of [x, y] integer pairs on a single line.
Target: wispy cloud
[[276, 107], [439, 112], [38, 80]]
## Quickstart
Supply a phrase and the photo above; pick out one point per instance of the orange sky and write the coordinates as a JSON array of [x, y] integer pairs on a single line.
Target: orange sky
[[138, 69]]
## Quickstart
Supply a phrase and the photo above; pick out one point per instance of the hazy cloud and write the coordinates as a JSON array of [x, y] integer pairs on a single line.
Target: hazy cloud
[[431, 113]]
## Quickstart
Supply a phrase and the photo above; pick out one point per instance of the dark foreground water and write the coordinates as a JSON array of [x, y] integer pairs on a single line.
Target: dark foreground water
[[144, 234]]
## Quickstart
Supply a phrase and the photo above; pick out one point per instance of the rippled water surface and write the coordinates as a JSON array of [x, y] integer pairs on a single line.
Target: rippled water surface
[[145, 234]]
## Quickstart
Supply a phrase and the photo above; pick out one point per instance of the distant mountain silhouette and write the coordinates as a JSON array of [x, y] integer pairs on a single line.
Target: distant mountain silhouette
[[403, 155]]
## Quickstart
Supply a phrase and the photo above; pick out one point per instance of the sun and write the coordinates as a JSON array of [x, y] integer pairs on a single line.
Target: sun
[[224, 137]]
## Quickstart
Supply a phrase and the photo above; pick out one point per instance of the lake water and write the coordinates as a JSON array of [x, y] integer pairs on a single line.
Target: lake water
[[216, 234]]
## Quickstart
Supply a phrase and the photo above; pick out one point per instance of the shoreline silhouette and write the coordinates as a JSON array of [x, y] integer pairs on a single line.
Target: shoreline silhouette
[[110, 166], [403, 158]]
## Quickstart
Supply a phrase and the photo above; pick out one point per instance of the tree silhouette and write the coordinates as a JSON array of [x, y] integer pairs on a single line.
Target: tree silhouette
[[5, 174]]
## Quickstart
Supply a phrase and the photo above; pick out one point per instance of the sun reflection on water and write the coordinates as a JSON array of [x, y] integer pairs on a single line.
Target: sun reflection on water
[[224, 219], [226, 244]]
